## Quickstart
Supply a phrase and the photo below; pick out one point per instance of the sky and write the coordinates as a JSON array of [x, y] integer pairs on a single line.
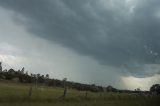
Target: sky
[[103, 42]]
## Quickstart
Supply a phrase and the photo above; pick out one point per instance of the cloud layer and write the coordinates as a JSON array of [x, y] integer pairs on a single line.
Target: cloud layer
[[122, 34]]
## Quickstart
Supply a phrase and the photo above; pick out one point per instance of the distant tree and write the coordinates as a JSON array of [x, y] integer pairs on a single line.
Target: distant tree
[[47, 76], [26, 72], [42, 76], [0, 66], [19, 72], [22, 71], [51, 82], [11, 71], [10, 74], [155, 89], [1, 74], [5, 70], [111, 89], [38, 75], [40, 79], [138, 90]]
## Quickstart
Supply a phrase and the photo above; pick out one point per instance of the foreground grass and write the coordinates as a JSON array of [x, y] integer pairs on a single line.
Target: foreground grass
[[89, 103], [16, 94]]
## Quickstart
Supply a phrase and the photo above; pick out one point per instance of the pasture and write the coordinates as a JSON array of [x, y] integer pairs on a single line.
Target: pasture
[[17, 94]]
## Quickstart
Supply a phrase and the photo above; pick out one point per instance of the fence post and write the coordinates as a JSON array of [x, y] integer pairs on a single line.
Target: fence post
[[30, 92], [86, 94], [65, 88]]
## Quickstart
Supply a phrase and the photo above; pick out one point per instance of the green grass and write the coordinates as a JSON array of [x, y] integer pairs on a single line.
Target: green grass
[[88, 103], [16, 94]]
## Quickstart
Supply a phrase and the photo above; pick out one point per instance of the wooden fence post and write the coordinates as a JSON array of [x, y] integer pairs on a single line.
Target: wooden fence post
[[30, 92], [65, 88], [86, 94]]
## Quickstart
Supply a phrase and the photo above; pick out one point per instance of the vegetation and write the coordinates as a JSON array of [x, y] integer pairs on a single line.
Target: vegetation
[[155, 89], [17, 88], [17, 94], [23, 77]]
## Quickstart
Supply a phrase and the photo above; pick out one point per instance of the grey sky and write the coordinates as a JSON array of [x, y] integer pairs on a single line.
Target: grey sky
[[91, 41]]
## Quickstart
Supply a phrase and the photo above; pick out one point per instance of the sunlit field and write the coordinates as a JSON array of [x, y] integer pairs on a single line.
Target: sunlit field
[[17, 94]]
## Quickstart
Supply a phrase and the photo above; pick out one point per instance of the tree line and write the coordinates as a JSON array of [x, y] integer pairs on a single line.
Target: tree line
[[24, 77]]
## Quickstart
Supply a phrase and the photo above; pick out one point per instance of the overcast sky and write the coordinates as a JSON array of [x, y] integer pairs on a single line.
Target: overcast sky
[[104, 42]]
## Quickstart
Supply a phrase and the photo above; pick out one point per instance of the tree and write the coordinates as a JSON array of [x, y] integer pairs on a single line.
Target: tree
[[38, 75], [138, 90], [10, 74], [155, 89], [47, 76], [0, 66], [26, 72], [22, 71], [11, 71]]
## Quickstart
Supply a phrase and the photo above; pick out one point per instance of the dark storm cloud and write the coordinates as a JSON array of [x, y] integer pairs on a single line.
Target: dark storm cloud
[[113, 35]]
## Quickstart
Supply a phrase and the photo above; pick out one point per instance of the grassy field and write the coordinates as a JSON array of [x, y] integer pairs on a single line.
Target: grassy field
[[16, 94]]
